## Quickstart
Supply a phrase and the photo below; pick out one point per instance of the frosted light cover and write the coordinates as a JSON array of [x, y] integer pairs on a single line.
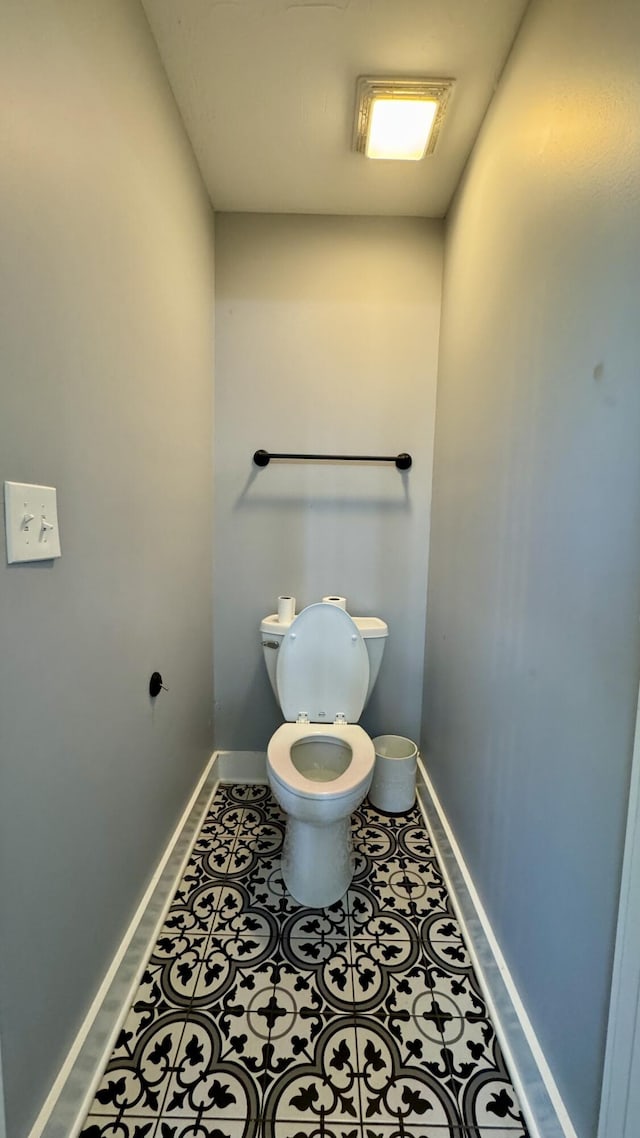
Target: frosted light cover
[[400, 128]]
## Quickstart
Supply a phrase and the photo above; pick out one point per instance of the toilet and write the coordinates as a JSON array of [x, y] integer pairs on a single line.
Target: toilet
[[322, 666]]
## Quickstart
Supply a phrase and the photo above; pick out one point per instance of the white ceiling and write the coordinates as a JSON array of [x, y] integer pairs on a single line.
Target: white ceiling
[[266, 89]]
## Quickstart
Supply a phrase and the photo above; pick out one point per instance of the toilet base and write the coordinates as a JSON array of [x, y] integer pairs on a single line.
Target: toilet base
[[318, 861]]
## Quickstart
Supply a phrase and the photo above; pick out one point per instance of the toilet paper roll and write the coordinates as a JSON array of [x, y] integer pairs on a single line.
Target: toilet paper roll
[[341, 602], [286, 609]]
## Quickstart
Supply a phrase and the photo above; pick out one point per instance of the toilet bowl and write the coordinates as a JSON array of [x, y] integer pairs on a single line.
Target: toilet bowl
[[320, 762], [319, 775]]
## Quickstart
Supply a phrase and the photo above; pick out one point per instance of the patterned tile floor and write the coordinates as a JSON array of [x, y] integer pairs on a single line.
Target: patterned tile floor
[[257, 1018]]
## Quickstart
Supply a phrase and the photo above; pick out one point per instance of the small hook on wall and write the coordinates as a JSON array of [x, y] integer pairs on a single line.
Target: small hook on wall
[[156, 685]]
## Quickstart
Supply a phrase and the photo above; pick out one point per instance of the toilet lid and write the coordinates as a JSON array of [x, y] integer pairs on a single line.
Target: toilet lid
[[323, 667]]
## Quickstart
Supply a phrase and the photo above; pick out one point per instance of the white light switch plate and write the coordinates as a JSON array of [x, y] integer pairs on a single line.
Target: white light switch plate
[[31, 521]]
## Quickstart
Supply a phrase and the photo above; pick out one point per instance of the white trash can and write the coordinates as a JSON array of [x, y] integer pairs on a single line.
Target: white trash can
[[393, 788]]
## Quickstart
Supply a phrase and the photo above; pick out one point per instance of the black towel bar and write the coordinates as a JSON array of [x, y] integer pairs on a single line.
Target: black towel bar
[[402, 461]]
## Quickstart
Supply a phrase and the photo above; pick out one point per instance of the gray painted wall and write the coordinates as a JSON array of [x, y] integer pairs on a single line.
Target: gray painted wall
[[106, 332], [533, 646], [326, 341]]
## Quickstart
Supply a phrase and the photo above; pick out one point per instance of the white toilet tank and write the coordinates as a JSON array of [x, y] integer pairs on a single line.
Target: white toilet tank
[[374, 632]]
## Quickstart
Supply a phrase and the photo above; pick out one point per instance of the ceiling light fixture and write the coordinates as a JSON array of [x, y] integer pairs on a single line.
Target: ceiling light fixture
[[399, 118]]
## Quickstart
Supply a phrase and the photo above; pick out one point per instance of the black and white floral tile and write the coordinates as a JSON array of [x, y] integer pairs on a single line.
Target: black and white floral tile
[[258, 1018]]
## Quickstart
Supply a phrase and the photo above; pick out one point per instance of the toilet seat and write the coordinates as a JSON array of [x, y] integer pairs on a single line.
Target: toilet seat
[[322, 672], [282, 767]]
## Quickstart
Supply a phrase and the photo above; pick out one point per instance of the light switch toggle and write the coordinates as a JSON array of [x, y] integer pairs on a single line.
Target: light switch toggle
[[31, 522]]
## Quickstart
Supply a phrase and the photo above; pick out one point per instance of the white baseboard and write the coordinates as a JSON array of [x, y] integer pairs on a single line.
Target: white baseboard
[[542, 1106], [71, 1095]]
